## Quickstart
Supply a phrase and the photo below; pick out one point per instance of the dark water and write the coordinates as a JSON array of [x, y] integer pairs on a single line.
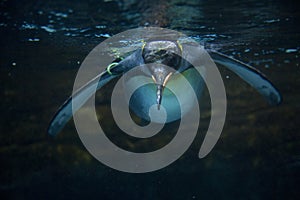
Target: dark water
[[42, 46]]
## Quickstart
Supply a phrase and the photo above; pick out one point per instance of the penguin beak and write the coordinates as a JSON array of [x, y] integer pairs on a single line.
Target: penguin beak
[[160, 79]]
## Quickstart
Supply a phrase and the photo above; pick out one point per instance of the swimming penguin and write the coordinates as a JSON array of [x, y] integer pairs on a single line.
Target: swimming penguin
[[162, 61]]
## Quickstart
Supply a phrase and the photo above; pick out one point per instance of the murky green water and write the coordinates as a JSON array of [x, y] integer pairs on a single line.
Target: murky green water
[[42, 46]]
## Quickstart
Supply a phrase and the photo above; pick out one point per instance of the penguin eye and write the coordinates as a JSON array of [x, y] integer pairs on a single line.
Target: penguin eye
[[162, 51]]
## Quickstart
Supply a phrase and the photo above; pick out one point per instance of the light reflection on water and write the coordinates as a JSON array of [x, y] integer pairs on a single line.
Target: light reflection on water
[[43, 44]]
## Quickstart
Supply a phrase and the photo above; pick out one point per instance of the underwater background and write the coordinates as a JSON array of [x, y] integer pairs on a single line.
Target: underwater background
[[42, 46]]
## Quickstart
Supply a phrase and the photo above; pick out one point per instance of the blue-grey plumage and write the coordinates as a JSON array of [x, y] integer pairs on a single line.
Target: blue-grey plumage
[[251, 75], [76, 101], [159, 54]]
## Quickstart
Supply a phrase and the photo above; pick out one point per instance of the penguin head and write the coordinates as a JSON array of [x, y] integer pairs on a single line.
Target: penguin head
[[160, 57]]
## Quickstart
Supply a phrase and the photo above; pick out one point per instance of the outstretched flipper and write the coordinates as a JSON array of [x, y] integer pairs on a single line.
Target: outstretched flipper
[[251, 75], [65, 112]]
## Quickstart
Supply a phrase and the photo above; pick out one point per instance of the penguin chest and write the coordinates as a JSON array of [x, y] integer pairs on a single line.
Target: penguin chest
[[180, 94]]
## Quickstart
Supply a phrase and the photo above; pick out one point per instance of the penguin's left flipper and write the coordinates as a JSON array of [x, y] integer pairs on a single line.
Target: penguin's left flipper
[[251, 75], [77, 100]]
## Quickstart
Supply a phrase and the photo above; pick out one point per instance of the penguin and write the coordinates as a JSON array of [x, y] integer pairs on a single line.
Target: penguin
[[162, 61]]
